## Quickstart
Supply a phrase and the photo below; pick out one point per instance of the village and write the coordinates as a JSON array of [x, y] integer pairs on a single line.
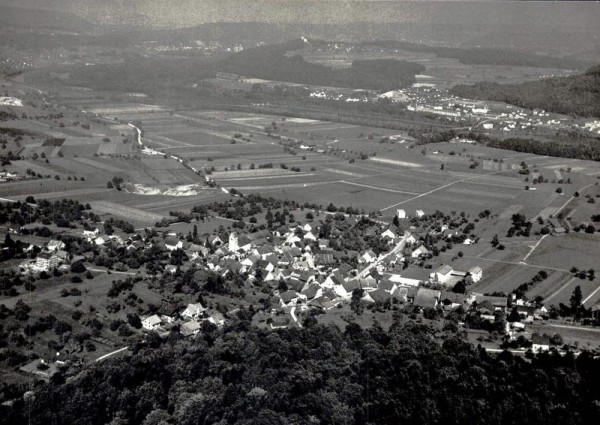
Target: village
[[300, 269]]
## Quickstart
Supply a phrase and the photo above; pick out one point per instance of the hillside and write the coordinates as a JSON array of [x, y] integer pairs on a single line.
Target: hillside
[[316, 375], [31, 19], [275, 63], [574, 95], [485, 56]]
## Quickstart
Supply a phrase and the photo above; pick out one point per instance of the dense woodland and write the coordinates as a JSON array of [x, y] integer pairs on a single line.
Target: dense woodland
[[574, 95], [484, 56], [274, 63], [316, 375]]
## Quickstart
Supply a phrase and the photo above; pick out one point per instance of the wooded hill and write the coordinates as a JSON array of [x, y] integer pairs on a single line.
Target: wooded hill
[[315, 375], [573, 95], [274, 63]]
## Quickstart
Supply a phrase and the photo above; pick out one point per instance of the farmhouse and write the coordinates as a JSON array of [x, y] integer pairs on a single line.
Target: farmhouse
[[442, 274], [427, 298], [476, 274]]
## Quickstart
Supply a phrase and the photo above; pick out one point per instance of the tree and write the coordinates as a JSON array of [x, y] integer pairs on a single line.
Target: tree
[[576, 299], [495, 241], [356, 304]]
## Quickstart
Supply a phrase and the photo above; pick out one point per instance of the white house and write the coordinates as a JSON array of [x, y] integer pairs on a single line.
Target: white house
[[309, 235], [46, 261], [54, 245], [99, 241], [307, 227], [420, 213], [401, 213], [442, 274], [420, 251], [388, 234], [190, 328], [90, 233], [367, 258], [151, 322], [476, 274], [172, 243], [193, 311]]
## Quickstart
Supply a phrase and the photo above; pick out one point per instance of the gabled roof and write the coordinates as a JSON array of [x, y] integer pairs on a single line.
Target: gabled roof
[[172, 241], [351, 285], [494, 301], [386, 285], [379, 295], [444, 270], [426, 298], [311, 291], [452, 297], [288, 296]]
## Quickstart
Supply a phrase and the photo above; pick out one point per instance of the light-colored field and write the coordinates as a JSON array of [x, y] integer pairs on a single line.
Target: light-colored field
[[122, 211]]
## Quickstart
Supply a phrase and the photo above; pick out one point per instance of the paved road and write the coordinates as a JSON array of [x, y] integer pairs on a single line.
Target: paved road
[[399, 247]]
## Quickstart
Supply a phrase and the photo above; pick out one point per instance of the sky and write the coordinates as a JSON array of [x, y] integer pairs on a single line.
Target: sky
[[185, 13]]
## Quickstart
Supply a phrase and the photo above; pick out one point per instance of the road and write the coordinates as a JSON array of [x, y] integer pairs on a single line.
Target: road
[[120, 350], [558, 291], [399, 247]]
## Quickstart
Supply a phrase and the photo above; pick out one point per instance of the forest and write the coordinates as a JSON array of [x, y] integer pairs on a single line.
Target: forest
[[314, 375], [485, 56], [577, 95], [274, 63]]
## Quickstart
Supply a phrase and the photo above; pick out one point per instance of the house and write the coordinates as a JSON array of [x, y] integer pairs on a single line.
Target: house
[[367, 258], [280, 322], [172, 243], [442, 274], [323, 243], [427, 298], [476, 274], [54, 245], [496, 303], [190, 328], [46, 261], [401, 214], [288, 298], [468, 241], [412, 239], [540, 343], [217, 318], [170, 268], [151, 323], [307, 227], [388, 234], [450, 300], [193, 311], [215, 240], [377, 296], [401, 294], [420, 252], [388, 285], [346, 288], [420, 213], [99, 241], [90, 233], [309, 236]]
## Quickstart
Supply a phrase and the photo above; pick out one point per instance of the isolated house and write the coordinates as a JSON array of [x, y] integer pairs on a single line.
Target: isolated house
[[420, 213], [401, 214], [152, 322]]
